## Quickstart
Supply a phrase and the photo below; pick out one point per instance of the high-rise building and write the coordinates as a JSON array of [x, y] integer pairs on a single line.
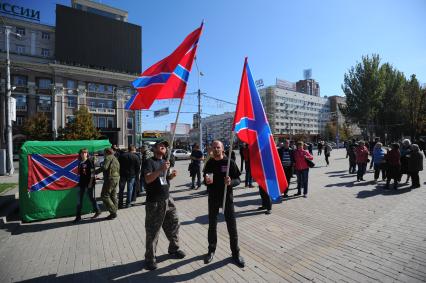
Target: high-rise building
[[217, 127], [89, 58], [308, 86]]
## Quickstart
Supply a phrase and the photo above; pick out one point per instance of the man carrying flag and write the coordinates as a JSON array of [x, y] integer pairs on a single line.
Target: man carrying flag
[[252, 127]]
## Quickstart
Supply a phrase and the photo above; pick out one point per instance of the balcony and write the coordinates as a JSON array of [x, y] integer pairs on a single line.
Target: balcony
[[21, 108], [44, 108], [107, 111]]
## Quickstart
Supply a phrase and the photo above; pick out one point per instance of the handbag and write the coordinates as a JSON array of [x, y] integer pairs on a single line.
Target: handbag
[[310, 163]]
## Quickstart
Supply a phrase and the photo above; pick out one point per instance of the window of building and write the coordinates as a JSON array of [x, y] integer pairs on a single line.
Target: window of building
[[45, 35], [20, 31], [20, 49], [129, 139], [70, 119], [44, 100], [110, 122], [101, 122], [45, 52], [71, 84], [19, 121], [71, 102], [19, 81], [130, 123], [44, 83], [92, 104], [95, 121]]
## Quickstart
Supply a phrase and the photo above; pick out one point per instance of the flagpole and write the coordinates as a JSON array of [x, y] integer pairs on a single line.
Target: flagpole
[[174, 130], [227, 170]]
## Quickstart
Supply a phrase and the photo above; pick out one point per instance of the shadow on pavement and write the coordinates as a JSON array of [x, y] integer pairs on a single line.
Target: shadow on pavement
[[204, 219], [381, 191], [336, 172], [135, 272]]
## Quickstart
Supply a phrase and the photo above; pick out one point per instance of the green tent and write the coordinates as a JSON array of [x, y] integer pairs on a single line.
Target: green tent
[[43, 204]]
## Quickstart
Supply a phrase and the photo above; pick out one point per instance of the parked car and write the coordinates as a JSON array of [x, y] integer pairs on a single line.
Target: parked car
[[181, 154]]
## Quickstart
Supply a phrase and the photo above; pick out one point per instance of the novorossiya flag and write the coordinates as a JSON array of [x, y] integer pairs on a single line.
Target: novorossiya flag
[[252, 127]]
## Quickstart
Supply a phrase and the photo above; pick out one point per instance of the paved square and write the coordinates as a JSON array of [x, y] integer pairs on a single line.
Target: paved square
[[344, 231]]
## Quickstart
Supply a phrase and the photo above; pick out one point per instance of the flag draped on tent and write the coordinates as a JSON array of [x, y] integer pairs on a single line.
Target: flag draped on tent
[[252, 127], [167, 78]]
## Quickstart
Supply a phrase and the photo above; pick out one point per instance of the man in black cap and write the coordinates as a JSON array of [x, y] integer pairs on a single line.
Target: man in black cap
[[215, 179], [160, 207]]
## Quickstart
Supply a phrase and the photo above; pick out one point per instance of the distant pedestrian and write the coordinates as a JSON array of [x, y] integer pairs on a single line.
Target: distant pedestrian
[[405, 151], [361, 154], [379, 161], [266, 201], [129, 169], [310, 148], [352, 157], [372, 146], [393, 166], [242, 157], [195, 166], [249, 180], [319, 147], [160, 207], [86, 171], [415, 164], [287, 161], [111, 172], [327, 152], [302, 168]]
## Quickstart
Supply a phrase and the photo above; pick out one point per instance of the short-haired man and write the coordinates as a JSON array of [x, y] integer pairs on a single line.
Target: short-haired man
[[129, 168], [215, 179], [160, 207]]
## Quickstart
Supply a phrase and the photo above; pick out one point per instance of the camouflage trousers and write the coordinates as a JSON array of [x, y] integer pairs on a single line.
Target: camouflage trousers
[[161, 214], [109, 194]]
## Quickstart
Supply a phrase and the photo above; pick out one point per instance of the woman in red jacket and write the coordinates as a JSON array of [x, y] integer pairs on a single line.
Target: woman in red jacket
[[393, 165], [301, 167], [361, 153]]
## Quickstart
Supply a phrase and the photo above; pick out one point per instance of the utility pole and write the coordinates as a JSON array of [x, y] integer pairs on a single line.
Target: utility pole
[[199, 106], [10, 168]]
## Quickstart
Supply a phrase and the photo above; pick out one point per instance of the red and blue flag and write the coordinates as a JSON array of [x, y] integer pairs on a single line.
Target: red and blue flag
[[252, 127], [167, 78], [52, 172]]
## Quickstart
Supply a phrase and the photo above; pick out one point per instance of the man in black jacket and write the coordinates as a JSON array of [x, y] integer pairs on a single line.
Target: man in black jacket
[[215, 179], [129, 168]]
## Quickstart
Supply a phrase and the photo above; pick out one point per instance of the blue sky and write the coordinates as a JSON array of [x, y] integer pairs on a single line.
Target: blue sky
[[280, 38]]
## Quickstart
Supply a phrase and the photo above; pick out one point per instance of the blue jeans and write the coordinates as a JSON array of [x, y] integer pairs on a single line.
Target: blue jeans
[[91, 194], [130, 188], [302, 180]]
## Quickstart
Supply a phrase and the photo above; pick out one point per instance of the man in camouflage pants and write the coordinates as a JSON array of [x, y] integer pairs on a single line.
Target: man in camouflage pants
[[160, 207], [111, 171]]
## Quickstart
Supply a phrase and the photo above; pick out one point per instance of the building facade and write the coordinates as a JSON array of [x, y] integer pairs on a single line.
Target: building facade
[[217, 127], [308, 86], [290, 112], [42, 84]]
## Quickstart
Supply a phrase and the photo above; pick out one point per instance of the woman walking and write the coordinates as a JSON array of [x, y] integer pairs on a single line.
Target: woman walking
[[405, 153], [302, 168], [361, 154], [379, 161], [393, 164], [415, 164]]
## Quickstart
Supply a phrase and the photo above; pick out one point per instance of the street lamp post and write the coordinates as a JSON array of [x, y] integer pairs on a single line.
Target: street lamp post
[[11, 170]]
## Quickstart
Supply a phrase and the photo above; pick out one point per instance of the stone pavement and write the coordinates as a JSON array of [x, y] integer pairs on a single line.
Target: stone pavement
[[344, 231]]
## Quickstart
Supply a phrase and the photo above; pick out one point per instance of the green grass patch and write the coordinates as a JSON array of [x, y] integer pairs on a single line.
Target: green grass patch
[[4, 187]]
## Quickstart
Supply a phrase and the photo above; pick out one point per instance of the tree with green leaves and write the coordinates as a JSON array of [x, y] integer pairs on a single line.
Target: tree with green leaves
[[37, 128], [81, 128], [415, 106]]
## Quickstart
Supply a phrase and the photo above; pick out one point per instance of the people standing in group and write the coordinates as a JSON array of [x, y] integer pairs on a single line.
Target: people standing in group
[[129, 170], [215, 179], [393, 166], [320, 147], [415, 164], [86, 171], [352, 157], [405, 151], [287, 161], [327, 152], [111, 171], [117, 151], [378, 158], [361, 153], [372, 147], [249, 180], [196, 158], [160, 207], [302, 169]]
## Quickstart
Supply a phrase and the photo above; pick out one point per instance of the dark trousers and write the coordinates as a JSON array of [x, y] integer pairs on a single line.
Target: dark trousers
[[377, 169], [161, 214], [249, 179], [91, 195], [242, 163], [415, 180], [327, 155], [231, 224], [196, 173], [361, 170], [352, 167], [302, 180], [266, 200], [319, 151], [288, 171]]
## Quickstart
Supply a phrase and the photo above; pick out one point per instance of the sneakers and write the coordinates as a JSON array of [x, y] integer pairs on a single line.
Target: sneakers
[[151, 265], [179, 254], [208, 257]]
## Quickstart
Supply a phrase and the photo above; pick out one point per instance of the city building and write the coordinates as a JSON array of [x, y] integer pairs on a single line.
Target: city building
[[308, 86], [337, 105], [55, 70], [217, 127], [290, 112]]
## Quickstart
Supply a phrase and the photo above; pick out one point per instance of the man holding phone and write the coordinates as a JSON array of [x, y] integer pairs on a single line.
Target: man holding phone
[[215, 179], [160, 207]]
